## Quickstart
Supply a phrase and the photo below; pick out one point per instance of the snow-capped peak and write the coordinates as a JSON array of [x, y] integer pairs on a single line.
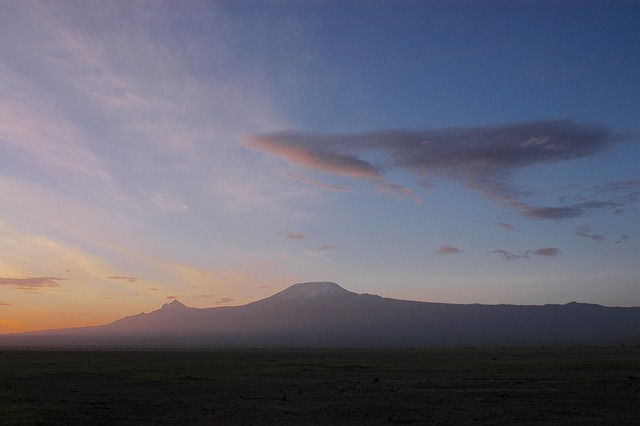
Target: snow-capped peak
[[311, 289]]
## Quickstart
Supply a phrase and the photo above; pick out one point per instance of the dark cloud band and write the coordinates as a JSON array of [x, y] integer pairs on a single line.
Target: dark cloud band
[[481, 158]]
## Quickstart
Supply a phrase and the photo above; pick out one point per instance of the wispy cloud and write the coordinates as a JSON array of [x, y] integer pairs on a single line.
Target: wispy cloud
[[544, 252], [206, 296], [505, 226], [308, 151], [317, 183], [586, 232], [623, 238], [482, 158], [123, 278], [564, 212], [31, 282], [34, 134], [167, 202], [621, 185], [322, 252], [109, 76], [29, 255], [290, 235], [393, 188], [507, 255], [447, 249], [122, 111]]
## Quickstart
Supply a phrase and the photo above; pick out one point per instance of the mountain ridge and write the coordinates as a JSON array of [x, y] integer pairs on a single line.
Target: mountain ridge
[[324, 314]]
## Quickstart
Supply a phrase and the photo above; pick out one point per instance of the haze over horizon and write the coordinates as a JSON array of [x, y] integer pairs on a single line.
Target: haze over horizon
[[218, 152]]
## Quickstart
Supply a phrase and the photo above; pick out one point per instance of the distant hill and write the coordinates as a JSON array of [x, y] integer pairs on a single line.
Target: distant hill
[[321, 314]]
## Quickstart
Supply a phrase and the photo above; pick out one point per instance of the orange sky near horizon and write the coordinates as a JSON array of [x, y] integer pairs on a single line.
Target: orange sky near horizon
[[220, 151]]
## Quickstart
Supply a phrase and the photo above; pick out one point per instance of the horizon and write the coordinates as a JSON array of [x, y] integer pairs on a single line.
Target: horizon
[[325, 315], [177, 300], [217, 152], [292, 292]]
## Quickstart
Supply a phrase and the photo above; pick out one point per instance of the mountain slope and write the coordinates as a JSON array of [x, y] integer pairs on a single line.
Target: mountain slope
[[325, 314], [312, 290]]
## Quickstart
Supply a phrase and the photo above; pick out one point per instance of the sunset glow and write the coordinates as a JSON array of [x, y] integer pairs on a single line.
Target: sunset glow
[[217, 152]]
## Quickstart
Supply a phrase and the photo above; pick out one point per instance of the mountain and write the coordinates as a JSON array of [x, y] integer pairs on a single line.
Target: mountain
[[311, 290], [322, 314]]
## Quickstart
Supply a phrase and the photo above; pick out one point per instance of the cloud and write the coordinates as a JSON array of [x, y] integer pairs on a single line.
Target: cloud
[[623, 238], [289, 235], [481, 158], [92, 111], [6, 304], [314, 182], [205, 296], [546, 251], [585, 231], [505, 226], [33, 131], [507, 255], [308, 150], [566, 212], [223, 300], [167, 202], [48, 144], [322, 252], [31, 282], [171, 297], [626, 192], [393, 188], [622, 185], [29, 255], [447, 249], [127, 279]]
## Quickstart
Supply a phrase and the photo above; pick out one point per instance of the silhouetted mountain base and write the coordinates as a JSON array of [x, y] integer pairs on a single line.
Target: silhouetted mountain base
[[326, 315]]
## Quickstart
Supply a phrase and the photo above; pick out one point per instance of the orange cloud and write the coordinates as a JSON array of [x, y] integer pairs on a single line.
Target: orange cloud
[[127, 279], [289, 235], [31, 282], [447, 249], [330, 161]]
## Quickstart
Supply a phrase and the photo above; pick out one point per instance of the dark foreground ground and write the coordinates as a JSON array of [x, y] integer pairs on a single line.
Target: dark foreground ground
[[219, 387]]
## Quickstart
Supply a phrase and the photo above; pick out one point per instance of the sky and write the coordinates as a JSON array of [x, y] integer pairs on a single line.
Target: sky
[[218, 152]]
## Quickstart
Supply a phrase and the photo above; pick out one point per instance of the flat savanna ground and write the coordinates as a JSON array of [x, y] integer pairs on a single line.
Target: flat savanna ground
[[218, 387]]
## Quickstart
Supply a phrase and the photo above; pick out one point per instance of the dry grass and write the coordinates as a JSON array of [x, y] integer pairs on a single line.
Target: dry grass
[[456, 386]]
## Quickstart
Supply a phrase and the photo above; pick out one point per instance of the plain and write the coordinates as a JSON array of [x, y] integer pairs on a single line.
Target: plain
[[579, 385]]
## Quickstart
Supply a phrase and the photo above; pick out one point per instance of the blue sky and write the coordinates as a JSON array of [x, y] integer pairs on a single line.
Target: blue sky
[[219, 152]]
